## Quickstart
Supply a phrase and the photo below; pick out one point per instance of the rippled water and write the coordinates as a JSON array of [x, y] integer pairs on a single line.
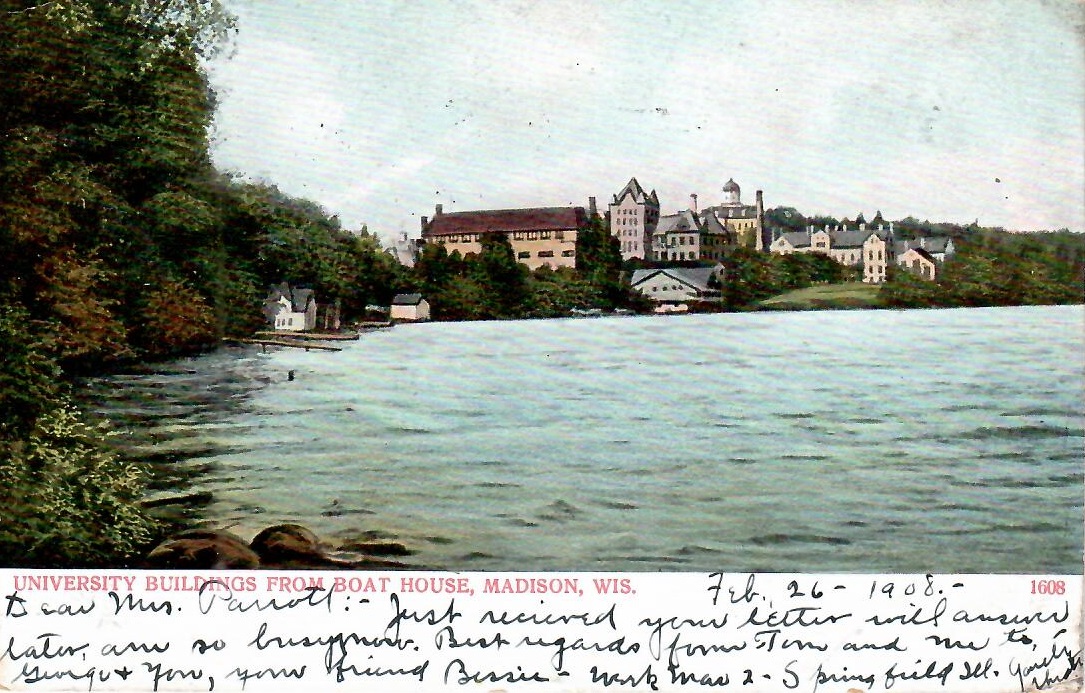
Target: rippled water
[[946, 441]]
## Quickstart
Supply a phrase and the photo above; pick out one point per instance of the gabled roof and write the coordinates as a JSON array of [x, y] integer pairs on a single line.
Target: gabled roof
[[710, 223], [849, 239], [507, 221], [633, 188], [933, 244], [921, 252], [299, 299], [694, 277], [406, 299], [797, 239], [683, 222]]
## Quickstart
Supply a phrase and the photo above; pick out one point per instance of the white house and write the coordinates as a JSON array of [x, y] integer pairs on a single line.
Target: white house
[[919, 261], [409, 307], [674, 285], [290, 310]]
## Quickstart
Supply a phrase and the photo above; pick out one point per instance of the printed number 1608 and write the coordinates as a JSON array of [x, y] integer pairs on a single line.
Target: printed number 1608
[[1048, 587]]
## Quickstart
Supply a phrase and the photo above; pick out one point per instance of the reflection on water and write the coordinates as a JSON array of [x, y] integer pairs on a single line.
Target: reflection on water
[[946, 441]]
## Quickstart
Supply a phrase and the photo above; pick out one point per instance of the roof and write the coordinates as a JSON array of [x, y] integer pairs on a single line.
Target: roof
[[694, 277], [712, 224], [633, 188], [733, 211], [678, 223], [507, 221], [921, 252], [932, 244], [407, 299], [849, 239], [797, 239], [299, 299]]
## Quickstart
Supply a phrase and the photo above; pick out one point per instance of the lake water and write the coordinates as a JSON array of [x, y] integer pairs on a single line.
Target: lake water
[[865, 441]]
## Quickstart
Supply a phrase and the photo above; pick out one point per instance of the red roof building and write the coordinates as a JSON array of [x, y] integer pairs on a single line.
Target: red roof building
[[539, 236]]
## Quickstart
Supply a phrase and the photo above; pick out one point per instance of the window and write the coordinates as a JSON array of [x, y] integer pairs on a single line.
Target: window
[[568, 253], [523, 255], [546, 253], [545, 235]]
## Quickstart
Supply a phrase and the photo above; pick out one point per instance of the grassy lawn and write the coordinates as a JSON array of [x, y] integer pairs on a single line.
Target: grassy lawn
[[849, 295]]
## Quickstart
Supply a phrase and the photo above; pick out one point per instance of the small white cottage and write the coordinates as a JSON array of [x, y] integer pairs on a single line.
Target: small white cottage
[[290, 310], [409, 307]]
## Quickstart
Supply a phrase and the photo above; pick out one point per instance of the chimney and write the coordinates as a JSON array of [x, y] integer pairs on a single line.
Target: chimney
[[763, 243], [693, 202], [425, 222], [440, 210], [922, 242], [592, 211]]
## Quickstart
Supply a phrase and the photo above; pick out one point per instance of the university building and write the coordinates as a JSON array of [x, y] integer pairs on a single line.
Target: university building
[[539, 236], [869, 249], [633, 218]]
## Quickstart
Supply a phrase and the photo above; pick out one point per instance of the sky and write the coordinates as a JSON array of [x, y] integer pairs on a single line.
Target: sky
[[379, 110]]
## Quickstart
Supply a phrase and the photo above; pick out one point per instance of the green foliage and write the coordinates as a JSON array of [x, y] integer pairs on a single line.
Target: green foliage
[[995, 268], [785, 219], [752, 275], [904, 288], [554, 293], [29, 380], [599, 261], [67, 503], [502, 278]]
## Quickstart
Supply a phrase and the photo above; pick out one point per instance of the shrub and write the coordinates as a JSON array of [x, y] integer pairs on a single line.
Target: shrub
[[66, 502]]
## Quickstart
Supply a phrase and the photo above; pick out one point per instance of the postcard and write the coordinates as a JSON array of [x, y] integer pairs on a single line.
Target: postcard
[[551, 346]]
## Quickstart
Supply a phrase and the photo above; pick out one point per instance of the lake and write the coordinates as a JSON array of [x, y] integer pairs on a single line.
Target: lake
[[833, 441]]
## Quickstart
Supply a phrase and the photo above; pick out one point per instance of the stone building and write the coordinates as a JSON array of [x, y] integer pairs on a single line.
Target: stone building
[[869, 249], [539, 236], [745, 222], [633, 217]]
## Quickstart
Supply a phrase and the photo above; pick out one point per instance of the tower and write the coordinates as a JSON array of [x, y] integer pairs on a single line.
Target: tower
[[732, 194], [633, 217]]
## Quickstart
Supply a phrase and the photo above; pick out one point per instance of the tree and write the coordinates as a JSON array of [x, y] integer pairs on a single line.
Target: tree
[[599, 261], [501, 276]]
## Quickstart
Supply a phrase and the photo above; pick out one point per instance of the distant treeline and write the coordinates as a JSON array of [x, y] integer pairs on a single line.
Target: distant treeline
[[991, 266]]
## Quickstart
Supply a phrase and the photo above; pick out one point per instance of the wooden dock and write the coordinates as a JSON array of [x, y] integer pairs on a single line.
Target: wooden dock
[[308, 336], [295, 343]]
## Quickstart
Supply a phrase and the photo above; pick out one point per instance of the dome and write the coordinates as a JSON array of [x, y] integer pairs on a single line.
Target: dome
[[730, 185]]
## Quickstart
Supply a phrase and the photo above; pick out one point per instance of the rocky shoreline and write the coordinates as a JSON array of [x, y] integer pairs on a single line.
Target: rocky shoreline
[[280, 547]]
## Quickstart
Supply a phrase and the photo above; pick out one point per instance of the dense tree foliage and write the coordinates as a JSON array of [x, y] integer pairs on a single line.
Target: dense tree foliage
[[751, 276], [995, 268]]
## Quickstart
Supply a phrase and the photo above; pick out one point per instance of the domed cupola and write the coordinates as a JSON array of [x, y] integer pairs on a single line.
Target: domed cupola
[[732, 194]]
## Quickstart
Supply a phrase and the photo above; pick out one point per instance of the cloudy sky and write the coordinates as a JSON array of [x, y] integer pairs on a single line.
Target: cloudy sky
[[378, 110]]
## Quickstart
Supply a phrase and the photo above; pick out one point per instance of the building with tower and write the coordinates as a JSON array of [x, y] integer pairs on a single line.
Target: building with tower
[[745, 222], [633, 218]]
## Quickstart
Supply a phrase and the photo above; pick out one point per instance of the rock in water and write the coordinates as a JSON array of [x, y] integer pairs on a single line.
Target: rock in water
[[283, 543], [202, 549]]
